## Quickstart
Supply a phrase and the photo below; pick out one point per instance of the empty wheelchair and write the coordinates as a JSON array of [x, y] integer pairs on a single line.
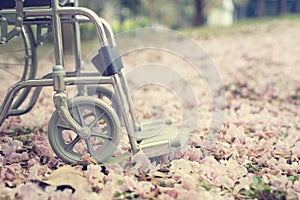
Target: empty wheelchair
[[84, 123]]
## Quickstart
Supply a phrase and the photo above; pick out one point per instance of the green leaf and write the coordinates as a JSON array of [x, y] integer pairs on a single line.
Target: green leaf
[[120, 182], [162, 183], [251, 186], [293, 178], [253, 167], [256, 180], [247, 193], [206, 186], [261, 188], [252, 129], [117, 194], [27, 130]]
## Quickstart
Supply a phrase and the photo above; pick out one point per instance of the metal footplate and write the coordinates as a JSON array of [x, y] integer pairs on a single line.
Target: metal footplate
[[158, 139]]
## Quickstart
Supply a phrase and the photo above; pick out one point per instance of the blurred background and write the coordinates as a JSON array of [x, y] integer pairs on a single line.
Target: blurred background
[[178, 14]]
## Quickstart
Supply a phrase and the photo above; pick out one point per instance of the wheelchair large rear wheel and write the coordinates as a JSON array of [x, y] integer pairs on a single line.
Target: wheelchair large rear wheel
[[18, 62]]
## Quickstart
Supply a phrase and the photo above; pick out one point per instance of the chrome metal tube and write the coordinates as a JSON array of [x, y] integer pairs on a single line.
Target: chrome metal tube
[[61, 104], [72, 11], [89, 80], [57, 33], [92, 16], [77, 45], [110, 31], [32, 101], [129, 100], [123, 105], [4, 109]]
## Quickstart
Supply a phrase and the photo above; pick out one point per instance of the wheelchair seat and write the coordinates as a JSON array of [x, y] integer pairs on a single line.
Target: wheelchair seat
[[9, 4]]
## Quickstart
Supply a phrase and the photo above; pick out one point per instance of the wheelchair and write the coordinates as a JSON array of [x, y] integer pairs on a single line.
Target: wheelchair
[[84, 123]]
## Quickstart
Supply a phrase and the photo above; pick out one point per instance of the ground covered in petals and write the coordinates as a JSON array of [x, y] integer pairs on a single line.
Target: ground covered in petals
[[256, 154]]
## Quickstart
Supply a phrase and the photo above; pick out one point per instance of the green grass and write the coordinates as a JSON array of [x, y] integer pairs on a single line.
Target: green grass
[[261, 190], [246, 26]]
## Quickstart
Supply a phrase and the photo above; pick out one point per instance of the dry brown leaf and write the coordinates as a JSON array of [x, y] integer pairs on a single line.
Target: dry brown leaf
[[67, 175]]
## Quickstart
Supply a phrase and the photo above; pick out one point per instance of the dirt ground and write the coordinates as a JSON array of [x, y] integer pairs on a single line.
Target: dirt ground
[[256, 150]]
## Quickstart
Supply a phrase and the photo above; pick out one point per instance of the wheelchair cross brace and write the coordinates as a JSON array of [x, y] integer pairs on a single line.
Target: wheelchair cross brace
[[155, 138], [11, 18]]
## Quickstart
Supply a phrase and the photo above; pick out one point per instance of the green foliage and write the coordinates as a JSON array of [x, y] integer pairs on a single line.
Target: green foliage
[[130, 24], [120, 182], [251, 167], [282, 134], [206, 186], [283, 131], [251, 129], [247, 26], [175, 14], [23, 130], [163, 183], [23, 133], [295, 97], [96, 5], [261, 190], [133, 5], [88, 31], [117, 194], [124, 195], [293, 178]]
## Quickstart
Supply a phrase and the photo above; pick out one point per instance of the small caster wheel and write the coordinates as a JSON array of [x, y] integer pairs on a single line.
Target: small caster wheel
[[102, 131]]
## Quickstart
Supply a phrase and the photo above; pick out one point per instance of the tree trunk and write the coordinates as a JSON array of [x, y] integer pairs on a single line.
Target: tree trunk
[[282, 7], [260, 8], [295, 8], [199, 17], [298, 6], [152, 10]]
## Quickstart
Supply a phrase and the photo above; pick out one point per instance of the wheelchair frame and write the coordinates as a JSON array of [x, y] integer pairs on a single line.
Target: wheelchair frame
[[107, 61]]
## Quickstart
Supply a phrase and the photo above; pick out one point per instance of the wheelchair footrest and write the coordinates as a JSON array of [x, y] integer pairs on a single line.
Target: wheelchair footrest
[[161, 141]]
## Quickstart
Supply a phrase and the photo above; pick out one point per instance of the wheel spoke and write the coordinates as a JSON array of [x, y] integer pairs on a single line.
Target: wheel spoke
[[98, 117], [63, 126], [88, 115], [10, 72], [14, 64], [101, 136], [81, 119], [89, 147], [15, 50], [70, 146]]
